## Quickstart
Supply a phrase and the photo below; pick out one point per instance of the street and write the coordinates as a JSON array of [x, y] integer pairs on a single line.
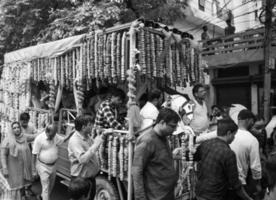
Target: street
[[59, 192]]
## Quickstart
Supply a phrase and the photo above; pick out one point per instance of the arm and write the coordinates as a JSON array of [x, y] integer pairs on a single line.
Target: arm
[[31, 137], [68, 137], [255, 162], [4, 158], [82, 155], [197, 154], [110, 118], [35, 152], [142, 154], [60, 140], [207, 136], [34, 158]]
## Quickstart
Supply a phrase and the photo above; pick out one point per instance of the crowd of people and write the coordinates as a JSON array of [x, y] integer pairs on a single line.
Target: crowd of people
[[236, 159]]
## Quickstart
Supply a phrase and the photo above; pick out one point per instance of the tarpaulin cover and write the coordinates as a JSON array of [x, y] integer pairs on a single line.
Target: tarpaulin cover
[[43, 50]]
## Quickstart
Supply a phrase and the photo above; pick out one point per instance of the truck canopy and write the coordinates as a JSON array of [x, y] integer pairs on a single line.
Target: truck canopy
[[50, 49]]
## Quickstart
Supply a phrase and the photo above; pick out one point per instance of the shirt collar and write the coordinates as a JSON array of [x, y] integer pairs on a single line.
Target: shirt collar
[[80, 135], [222, 141]]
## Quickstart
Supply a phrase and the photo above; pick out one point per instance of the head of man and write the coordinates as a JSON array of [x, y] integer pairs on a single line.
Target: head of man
[[205, 28], [227, 129], [155, 97], [228, 22], [246, 119], [166, 122], [24, 119], [79, 188], [216, 111], [50, 131], [16, 129], [117, 96], [199, 92], [83, 124]]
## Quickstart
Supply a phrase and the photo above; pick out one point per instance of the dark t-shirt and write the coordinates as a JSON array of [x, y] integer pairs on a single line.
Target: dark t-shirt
[[153, 170], [217, 170]]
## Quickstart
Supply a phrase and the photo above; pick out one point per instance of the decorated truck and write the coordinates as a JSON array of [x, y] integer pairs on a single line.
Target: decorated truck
[[53, 79]]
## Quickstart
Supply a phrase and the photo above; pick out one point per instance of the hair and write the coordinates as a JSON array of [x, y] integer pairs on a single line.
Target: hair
[[103, 90], [15, 122], [78, 187], [81, 121], [154, 94], [246, 114], [196, 88], [270, 167], [167, 115], [216, 106], [225, 125], [24, 116], [116, 92], [56, 117], [205, 28], [50, 127]]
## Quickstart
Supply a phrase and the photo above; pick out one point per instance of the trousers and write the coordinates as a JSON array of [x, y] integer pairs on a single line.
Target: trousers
[[47, 174]]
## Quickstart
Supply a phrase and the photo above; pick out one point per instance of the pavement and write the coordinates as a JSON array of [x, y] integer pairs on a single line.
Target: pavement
[[59, 192]]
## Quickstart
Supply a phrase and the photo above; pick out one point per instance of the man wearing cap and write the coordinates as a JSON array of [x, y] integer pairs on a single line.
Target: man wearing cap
[[246, 148]]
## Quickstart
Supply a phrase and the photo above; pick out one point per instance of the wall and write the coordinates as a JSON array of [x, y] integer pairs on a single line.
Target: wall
[[246, 14]]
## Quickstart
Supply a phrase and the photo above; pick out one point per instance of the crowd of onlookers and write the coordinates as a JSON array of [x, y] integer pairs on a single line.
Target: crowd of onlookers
[[236, 155]]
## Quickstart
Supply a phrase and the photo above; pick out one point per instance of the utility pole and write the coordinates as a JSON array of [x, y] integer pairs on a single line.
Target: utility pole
[[267, 57]]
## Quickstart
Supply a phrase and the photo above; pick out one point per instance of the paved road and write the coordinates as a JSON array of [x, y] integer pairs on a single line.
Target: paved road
[[59, 192]]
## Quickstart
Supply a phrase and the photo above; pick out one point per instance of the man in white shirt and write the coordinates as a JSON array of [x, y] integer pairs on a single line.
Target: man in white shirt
[[82, 151], [45, 155], [246, 148], [149, 112], [200, 121]]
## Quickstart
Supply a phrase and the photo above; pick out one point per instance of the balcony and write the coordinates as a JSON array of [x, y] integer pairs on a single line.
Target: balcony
[[244, 47]]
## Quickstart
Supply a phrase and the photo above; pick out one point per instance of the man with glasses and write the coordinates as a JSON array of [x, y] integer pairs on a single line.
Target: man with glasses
[[200, 121], [154, 176]]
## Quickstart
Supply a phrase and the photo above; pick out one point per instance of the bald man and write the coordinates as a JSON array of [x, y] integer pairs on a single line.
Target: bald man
[[45, 155]]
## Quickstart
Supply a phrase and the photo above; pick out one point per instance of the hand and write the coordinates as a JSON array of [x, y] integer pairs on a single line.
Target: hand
[[107, 132], [177, 153], [35, 175], [5, 172]]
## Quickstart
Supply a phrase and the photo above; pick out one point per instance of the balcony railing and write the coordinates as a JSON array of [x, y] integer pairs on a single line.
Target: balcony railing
[[240, 42]]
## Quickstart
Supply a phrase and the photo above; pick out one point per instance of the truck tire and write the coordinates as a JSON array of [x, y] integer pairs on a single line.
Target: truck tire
[[105, 189]]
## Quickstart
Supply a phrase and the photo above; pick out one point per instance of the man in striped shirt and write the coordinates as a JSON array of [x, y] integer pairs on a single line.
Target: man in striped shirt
[[107, 114]]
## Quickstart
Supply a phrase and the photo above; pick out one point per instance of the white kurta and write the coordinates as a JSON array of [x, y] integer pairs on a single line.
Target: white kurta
[[200, 121]]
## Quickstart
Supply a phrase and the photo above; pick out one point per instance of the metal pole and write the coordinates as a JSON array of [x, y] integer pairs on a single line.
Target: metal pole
[[132, 98], [267, 58]]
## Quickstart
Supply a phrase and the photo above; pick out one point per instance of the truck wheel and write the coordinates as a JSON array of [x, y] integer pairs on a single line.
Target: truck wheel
[[105, 189]]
